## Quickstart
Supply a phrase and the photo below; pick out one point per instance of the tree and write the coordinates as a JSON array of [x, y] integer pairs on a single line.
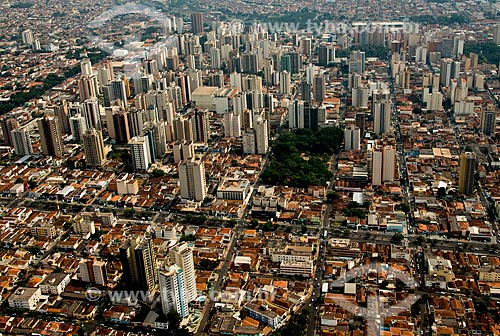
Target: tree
[[405, 207], [174, 320], [158, 173], [268, 227], [397, 238], [417, 110], [332, 196], [254, 222], [129, 212], [188, 238], [207, 264], [400, 285]]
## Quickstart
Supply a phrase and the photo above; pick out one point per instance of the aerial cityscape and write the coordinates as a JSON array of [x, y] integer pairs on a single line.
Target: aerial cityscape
[[250, 167]]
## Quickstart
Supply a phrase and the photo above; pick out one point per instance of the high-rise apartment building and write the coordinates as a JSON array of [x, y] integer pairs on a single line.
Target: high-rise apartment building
[[381, 117], [93, 146], [9, 123], [488, 122], [140, 152], [172, 290], [197, 23], [22, 141], [192, 179], [352, 137], [182, 256], [50, 136], [467, 171], [93, 271], [319, 88], [383, 164], [78, 127], [121, 126], [138, 260]]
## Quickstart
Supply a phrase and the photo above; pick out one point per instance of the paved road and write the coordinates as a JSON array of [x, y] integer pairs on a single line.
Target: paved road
[[222, 271], [320, 258]]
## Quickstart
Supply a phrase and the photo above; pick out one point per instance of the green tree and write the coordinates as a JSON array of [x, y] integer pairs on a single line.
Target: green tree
[[332, 196], [405, 207], [174, 320], [158, 173], [129, 212], [397, 238]]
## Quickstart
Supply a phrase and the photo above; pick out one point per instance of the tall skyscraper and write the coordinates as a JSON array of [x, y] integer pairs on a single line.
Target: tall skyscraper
[[285, 81], [197, 23], [86, 67], [383, 159], [361, 123], [319, 88], [140, 152], [201, 125], [120, 126], [467, 171], [28, 37], [9, 123], [50, 136], [183, 128], [138, 260], [306, 92], [92, 114], [62, 113], [261, 136], [295, 62], [488, 122], [183, 150], [172, 290], [78, 127], [135, 122], [357, 62], [381, 117], [87, 88], [182, 256], [249, 145], [496, 34], [352, 138], [22, 141], [360, 97], [156, 132], [250, 63], [285, 63], [296, 114], [232, 125], [93, 146], [445, 73], [192, 179], [118, 92], [93, 271]]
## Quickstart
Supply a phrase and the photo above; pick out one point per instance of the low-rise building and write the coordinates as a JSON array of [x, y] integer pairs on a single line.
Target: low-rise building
[[25, 298]]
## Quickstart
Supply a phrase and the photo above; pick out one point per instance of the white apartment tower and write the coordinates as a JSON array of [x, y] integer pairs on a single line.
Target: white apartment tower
[[140, 152], [383, 159], [182, 256], [22, 141], [172, 290], [192, 179], [381, 117], [352, 139]]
